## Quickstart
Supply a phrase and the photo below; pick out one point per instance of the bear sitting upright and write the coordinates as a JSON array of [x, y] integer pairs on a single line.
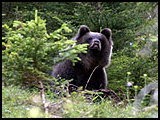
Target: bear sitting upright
[[90, 71]]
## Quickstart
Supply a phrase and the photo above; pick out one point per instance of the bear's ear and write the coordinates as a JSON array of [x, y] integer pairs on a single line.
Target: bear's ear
[[107, 32], [82, 31]]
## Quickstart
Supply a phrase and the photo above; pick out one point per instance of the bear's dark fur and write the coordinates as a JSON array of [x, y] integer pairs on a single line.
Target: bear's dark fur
[[90, 71]]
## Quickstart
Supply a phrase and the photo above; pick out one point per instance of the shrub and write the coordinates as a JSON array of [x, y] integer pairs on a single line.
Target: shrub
[[31, 52], [135, 64]]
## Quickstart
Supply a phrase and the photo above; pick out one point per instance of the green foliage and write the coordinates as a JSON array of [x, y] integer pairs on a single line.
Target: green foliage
[[135, 64], [127, 20], [17, 103], [31, 52], [14, 102]]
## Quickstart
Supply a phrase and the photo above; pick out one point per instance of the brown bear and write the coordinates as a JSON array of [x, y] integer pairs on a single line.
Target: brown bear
[[90, 71]]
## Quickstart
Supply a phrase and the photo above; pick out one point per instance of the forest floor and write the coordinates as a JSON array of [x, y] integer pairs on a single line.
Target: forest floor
[[18, 103]]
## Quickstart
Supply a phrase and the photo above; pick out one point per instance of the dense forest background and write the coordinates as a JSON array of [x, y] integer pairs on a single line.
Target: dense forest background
[[135, 36]]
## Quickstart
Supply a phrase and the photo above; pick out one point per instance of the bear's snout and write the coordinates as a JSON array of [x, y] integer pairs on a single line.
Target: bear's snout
[[96, 41], [95, 44]]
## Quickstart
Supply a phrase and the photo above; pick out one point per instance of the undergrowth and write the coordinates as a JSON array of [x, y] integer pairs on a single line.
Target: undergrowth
[[19, 103]]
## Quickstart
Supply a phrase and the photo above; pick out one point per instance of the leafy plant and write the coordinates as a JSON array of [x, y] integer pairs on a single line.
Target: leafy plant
[[31, 52]]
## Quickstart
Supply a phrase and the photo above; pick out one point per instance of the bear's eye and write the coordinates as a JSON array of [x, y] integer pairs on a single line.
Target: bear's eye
[[89, 39]]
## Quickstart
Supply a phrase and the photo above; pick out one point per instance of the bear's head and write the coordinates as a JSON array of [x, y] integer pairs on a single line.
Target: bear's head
[[100, 45], [97, 41]]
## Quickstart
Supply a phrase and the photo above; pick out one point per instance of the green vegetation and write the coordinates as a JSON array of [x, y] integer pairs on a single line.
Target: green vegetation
[[32, 42], [26, 104], [30, 52], [14, 102]]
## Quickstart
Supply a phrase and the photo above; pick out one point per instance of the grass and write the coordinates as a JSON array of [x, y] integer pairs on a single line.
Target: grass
[[18, 103], [14, 102]]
